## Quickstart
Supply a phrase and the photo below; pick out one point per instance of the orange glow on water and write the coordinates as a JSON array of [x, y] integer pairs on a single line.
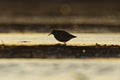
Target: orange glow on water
[[43, 38]]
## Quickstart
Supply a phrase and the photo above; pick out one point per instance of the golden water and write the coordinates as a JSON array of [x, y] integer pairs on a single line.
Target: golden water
[[57, 69], [43, 38]]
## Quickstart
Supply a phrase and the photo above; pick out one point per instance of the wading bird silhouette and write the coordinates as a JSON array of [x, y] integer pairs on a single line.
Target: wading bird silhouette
[[62, 35]]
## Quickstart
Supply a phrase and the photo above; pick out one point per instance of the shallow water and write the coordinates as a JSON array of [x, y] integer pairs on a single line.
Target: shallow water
[[43, 38], [65, 69]]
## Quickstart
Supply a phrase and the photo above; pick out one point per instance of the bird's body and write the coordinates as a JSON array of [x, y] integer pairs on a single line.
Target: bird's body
[[62, 36]]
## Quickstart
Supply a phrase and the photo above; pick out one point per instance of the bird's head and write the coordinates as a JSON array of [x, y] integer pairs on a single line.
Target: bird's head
[[52, 32]]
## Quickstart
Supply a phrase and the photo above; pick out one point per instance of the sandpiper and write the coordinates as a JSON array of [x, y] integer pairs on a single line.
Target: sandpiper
[[62, 35]]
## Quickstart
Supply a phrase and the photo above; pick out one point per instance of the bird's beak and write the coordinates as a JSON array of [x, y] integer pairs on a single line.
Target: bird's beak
[[49, 34]]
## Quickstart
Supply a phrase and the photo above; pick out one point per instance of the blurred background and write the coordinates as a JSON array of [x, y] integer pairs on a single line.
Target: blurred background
[[86, 57], [95, 16]]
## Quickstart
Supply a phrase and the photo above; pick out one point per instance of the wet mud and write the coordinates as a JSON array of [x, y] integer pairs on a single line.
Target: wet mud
[[59, 51]]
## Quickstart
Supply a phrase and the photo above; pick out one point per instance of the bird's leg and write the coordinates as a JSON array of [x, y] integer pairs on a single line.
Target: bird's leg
[[64, 43]]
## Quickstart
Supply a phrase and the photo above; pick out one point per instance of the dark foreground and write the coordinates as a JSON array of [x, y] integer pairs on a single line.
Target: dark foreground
[[59, 51]]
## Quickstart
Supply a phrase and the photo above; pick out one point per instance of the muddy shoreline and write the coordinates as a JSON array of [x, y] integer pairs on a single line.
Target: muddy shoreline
[[59, 51]]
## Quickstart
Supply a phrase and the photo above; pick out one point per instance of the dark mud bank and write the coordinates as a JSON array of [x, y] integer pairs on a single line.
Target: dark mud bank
[[60, 51]]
